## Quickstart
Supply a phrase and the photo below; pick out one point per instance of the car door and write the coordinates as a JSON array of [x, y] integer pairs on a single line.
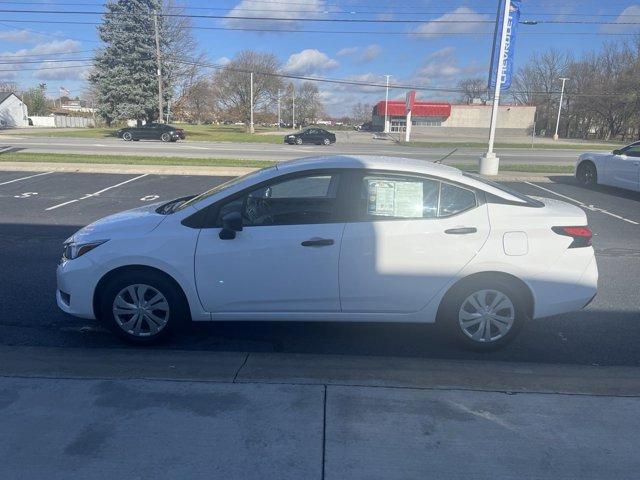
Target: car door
[[623, 170], [311, 136], [409, 238], [285, 259]]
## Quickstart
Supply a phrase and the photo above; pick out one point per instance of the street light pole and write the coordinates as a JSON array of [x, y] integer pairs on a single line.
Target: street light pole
[[555, 135], [159, 67], [251, 128], [386, 106], [278, 109], [489, 163], [293, 108]]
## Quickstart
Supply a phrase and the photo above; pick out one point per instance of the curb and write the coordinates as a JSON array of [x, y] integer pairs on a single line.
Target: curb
[[203, 170]]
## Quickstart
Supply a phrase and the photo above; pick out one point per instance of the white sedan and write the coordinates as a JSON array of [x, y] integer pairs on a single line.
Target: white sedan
[[335, 238], [620, 168]]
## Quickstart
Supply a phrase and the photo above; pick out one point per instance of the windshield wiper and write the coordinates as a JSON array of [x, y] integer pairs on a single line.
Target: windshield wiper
[[172, 205]]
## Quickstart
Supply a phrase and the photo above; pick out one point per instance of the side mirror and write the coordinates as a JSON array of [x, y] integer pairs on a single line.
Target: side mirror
[[231, 223], [617, 152]]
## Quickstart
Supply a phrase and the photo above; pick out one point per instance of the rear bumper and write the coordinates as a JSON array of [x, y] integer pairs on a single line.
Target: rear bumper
[[567, 294]]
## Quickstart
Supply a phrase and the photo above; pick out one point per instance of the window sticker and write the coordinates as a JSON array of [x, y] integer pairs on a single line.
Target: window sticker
[[393, 198]]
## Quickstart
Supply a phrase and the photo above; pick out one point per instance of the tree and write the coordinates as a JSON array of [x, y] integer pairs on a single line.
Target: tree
[[361, 113], [35, 100], [197, 103], [473, 88], [124, 69], [309, 106], [232, 84]]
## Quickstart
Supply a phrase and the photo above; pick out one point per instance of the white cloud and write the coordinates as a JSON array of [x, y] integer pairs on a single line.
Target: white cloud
[[61, 71], [223, 61], [18, 57], [629, 14], [347, 51], [458, 21], [442, 65], [21, 36], [309, 61], [371, 52], [266, 8]]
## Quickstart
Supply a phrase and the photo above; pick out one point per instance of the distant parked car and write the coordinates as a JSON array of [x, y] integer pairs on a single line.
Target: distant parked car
[[317, 136], [152, 131], [620, 168]]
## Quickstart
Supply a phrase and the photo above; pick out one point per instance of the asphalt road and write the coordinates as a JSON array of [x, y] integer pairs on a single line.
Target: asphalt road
[[39, 210], [273, 152]]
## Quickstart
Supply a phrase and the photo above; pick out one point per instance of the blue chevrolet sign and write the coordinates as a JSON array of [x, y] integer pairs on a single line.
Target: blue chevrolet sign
[[510, 44]]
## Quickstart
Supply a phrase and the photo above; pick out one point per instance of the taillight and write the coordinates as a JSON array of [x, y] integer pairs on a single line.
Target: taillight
[[581, 235]]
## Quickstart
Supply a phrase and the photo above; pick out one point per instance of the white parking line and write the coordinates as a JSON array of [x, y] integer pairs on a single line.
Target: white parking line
[[25, 178], [584, 205], [95, 194]]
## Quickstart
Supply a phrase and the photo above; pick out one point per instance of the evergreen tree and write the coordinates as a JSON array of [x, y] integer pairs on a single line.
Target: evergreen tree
[[125, 70]]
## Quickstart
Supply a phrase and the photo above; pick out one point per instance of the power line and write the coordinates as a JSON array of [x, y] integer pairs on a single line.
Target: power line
[[17, 70], [10, 55], [21, 62]]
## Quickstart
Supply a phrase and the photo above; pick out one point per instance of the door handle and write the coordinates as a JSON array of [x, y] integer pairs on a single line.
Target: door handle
[[317, 242], [461, 231]]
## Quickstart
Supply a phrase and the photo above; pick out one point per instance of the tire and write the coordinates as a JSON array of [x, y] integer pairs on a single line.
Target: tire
[[326, 141], [587, 174], [119, 296], [298, 141], [173, 140], [127, 136], [165, 137], [467, 326]]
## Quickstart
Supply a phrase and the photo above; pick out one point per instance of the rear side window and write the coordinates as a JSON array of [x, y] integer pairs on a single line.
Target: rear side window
[[404, 197], [454, 200]]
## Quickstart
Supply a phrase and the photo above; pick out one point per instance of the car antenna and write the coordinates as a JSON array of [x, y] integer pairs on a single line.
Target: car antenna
[[440, 160]]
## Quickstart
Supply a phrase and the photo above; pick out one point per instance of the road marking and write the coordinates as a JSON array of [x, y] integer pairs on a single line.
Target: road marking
[[584, 205], [148, 198], [25, 195], [95, 194], [25, 178]]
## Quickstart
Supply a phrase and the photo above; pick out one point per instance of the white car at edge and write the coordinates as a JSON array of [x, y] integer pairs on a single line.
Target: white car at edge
[[620, 168], [335, 238]]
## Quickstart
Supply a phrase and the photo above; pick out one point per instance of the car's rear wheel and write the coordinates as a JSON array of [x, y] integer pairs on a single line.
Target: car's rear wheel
[[298, 141], [142, 307], [484, 316], [165, 137], [326, 141], [127, 137], [587, 174]]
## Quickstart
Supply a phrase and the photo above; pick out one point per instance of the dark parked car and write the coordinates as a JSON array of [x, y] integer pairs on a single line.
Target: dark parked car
[[152, 131], [311, 135]]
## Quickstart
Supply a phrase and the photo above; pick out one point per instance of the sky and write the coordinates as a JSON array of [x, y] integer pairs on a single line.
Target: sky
[[440, 46]]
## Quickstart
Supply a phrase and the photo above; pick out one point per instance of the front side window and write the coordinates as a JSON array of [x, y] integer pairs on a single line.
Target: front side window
[[301, 200], [632, 151]]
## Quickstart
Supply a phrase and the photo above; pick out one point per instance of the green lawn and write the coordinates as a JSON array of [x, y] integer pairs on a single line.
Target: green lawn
[[215, 133], [223, 162]]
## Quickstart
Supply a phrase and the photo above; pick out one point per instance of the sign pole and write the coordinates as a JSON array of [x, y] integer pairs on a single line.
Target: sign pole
[[489, 163]]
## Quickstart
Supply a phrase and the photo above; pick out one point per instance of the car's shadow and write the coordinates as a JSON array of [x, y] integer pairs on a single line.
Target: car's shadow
[[614, 191]]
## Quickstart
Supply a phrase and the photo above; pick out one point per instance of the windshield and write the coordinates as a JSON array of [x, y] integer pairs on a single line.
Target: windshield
[[504, 188], [220, 188]]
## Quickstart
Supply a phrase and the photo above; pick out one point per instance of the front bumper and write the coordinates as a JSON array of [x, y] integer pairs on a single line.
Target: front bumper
[[75, 286]]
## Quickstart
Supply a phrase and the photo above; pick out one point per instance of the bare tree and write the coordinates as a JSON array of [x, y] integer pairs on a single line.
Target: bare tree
[[473, 88], [231, 84], [361, 112], [197, 104]]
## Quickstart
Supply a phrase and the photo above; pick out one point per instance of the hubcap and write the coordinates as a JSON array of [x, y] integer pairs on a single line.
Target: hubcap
[[141, 310], [486, 316]]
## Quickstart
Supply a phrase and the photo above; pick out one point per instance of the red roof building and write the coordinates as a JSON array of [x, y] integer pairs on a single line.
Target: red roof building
[[396, 108]]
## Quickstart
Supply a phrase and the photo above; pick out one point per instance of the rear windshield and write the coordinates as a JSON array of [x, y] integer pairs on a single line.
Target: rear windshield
[[521, 196]]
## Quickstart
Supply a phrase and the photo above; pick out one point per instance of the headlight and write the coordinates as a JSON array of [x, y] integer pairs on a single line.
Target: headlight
[[291, 136], [74, 250]]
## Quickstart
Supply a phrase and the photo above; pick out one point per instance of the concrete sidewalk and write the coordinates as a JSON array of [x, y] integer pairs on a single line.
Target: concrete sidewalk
[[132, 413]]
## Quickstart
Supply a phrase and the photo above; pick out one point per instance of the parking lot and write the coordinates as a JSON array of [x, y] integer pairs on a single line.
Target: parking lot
[[41, 209]]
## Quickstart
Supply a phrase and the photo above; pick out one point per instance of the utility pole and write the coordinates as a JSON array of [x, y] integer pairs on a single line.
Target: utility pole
[[386, 106], [555, 135], [293, 103], [278, 109], [159, 64], [251, 128], [489, 163]]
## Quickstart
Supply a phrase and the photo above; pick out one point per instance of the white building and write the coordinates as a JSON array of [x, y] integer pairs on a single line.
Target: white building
[[13, 112]]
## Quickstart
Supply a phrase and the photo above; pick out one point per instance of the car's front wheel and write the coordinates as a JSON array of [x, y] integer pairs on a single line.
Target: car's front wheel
[[484, 316], [165, 137], [587, 174], [326, 141], [127, 137], [142, 307], [298, 141]]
